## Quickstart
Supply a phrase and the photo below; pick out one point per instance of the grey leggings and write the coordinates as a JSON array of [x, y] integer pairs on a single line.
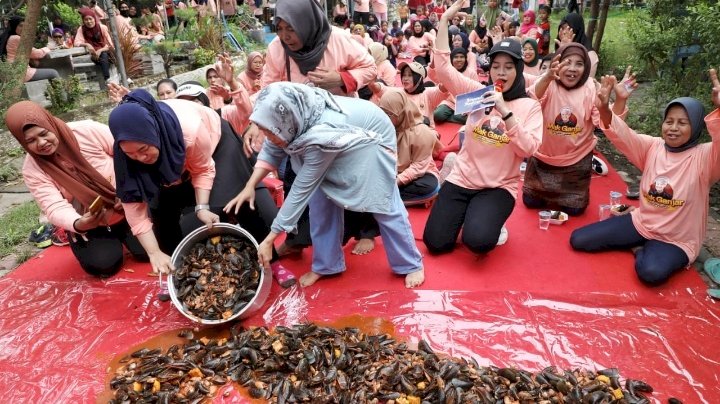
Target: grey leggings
[[45, 74]]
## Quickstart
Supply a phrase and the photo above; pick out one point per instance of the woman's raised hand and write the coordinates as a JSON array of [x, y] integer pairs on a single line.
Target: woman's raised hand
[[116, 92], [716, 88], [624, 88], [496, 33], [565, 35], [225, 68], [607, 83], [452, 10]]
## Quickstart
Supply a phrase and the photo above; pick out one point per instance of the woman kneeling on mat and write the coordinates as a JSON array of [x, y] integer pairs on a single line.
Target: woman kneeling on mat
[[166, 157], [668, 228], [339, 166], [69, 171]]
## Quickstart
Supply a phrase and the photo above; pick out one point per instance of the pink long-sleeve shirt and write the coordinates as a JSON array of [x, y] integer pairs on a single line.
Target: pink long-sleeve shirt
[[380, 6], [470, 72], [12, 46], [80, 38], [427, 101], [414, 45], [386, 72], [201, 132], [677, 213], [491, 155], [342, 54], [96, 146], [362, 6], [238, 113], [569, 118]]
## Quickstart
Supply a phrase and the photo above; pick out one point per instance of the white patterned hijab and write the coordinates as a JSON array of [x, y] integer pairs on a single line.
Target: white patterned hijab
[[289, 109]]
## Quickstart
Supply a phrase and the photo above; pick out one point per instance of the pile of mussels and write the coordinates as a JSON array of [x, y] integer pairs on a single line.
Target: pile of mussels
[[218, 278], [310, 363]]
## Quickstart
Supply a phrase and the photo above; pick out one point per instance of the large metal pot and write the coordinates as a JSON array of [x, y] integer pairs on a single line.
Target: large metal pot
[[201, 234]]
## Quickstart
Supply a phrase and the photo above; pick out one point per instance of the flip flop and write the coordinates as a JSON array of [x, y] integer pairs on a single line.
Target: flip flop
[[282, 275], [714, 293], [712, 268]]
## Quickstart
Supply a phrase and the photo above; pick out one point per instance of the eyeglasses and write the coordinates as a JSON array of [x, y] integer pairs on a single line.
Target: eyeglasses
[[57, 36]]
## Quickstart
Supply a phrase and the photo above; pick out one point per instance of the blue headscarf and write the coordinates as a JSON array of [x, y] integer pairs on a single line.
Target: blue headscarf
[[142, 119], [696, 112]]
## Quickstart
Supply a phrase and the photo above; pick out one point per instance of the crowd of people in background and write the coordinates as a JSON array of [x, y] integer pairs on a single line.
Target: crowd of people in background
[[349, 167]]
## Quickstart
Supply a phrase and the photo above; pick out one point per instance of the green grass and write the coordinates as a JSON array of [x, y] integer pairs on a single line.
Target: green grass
[[17, 224], [616, 50]]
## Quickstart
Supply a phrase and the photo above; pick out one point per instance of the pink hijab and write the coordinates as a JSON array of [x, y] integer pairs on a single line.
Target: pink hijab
[[524, 28]]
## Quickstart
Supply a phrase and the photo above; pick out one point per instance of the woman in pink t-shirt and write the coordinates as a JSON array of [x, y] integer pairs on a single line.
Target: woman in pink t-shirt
[[668, 228], [479, 194], [558, 175], [420, 42], [251, 77]]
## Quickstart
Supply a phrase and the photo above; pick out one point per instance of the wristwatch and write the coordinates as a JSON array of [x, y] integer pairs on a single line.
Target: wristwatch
[[201, 207]]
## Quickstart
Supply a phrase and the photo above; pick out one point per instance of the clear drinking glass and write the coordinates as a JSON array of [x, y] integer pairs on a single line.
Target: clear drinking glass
[[544, 219], [615, 198], [604, 212]]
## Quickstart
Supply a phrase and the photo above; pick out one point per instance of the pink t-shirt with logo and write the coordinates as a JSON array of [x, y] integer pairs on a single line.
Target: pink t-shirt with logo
[[569, 118], [674, 190], [490, 155]]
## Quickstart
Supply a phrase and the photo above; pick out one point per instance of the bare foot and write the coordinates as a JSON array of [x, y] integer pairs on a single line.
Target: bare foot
[[413, 279], [285, 250], [364, 246], [309, 278]]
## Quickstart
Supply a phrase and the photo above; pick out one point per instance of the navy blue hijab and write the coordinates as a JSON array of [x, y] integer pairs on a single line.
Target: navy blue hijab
[[142, 119], [696, 113]]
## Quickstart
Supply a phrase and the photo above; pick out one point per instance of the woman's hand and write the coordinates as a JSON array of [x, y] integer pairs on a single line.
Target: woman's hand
[[497, 98], [225, 68], [451, 11], [116, 92], [565, 35], [246, 195], [90, 220], [222, 91], [265, 253], [602, 100], [252, 139], [496, 33], [207, 217], [161, 262], [553, 73], [624, 88], [325, 79], [716, 88]]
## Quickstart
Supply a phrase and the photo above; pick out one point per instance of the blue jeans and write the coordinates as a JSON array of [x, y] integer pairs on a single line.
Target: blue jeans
[[326, 229], [654, 262]]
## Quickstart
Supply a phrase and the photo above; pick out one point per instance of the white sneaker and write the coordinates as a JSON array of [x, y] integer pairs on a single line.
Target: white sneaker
[[503, 236], [599, 166], [447, 166]]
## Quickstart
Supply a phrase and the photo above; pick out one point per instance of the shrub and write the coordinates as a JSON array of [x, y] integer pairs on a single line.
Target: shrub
[[10, 85], [69, 14], [64, 94], [203, 57]]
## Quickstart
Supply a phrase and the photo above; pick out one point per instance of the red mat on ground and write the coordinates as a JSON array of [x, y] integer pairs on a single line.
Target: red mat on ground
[[530, 303]]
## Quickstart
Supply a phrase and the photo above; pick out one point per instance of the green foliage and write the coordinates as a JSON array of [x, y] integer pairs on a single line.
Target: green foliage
[[17, 225], [167, 50], [15, 152], [11, 85], [663, 29], [210, 34], [69, 14], [64, 94], [203, 57], [8, 173]]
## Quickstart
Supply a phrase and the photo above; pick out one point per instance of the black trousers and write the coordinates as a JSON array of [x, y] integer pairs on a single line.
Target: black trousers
[[101, 254], [104, 62], [480, 213], [418, 188]]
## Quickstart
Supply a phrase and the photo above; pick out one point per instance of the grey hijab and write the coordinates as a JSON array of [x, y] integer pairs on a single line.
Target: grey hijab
[[293, 112], [696, 112], [308, 20]]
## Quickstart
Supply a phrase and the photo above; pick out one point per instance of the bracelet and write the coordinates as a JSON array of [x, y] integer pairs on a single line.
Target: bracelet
[[201, 207], [508, 116]]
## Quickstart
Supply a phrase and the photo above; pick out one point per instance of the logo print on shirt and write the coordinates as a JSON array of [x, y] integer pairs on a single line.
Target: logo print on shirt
[[565, 123], [492, 132], [661, 193]]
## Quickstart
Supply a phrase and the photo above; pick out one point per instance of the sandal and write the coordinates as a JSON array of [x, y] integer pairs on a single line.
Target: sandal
[[712, 269], [282, 275]]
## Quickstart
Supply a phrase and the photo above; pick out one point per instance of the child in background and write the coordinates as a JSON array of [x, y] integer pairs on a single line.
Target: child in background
[[544, 40], [392, 48], [395, 28], [403, 13]]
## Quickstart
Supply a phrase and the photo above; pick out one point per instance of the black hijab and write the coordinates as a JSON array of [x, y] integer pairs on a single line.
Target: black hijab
[[576, 22], [307, 19], [418, 81], [459, 51], [10, 31], [140, 118], [696, 112], [517, 90]]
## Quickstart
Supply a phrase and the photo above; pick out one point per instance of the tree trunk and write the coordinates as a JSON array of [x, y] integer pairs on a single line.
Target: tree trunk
[[601, 25], [592, 23], [27, 40]]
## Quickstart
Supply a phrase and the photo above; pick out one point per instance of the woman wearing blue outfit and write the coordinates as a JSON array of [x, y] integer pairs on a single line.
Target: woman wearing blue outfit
[[344, 153]]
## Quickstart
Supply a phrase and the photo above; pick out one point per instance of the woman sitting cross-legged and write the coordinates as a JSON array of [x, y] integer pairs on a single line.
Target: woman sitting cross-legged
[[68, 166], [339, 166], [668, 228]]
